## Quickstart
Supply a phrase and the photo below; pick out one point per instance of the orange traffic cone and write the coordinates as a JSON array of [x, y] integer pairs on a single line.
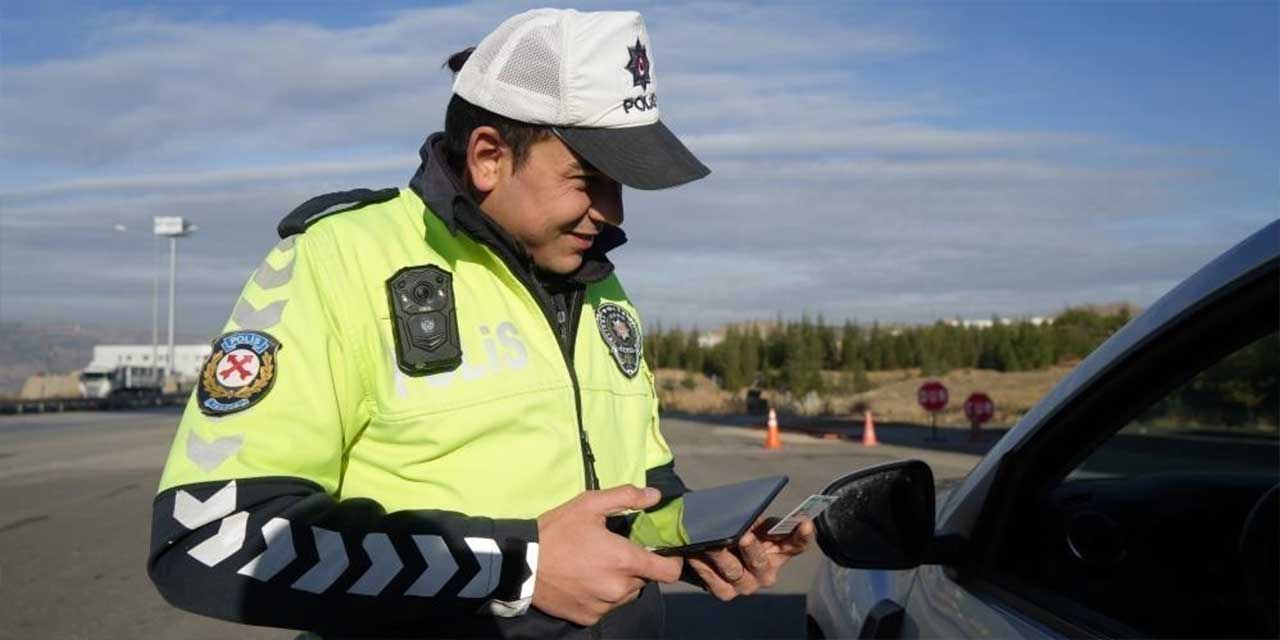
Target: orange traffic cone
[[869, 430], [772, 441]]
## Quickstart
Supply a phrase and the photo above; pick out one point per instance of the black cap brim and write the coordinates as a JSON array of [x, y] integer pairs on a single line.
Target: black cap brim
[[646, 157]]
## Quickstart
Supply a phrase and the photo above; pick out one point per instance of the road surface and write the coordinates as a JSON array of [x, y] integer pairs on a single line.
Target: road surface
[[75, 502]]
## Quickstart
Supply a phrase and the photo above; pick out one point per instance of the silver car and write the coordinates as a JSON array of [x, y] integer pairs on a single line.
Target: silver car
[[1139, 498]]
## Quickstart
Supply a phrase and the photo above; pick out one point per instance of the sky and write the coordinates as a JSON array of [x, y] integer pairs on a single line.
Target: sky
[[899, 162]]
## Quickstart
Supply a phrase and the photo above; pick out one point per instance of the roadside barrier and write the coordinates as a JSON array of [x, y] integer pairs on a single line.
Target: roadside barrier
[[59, 405]]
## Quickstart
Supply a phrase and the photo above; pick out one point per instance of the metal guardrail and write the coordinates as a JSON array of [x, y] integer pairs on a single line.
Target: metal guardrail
[[59, 405]]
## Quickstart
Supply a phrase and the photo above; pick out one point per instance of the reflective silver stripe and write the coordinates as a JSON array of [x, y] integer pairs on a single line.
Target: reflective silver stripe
[[279, 539], [518, 607], [384, 565], [489, 556], [249, 317], [440, 566], [269, 277], [332, 563], [229, 539], [208, 455], [193, 513]]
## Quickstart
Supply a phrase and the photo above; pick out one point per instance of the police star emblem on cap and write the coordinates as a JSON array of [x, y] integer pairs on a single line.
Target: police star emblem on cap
[[638, 65]]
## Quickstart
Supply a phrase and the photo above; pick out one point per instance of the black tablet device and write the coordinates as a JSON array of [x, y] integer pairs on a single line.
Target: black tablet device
[[705, 519]]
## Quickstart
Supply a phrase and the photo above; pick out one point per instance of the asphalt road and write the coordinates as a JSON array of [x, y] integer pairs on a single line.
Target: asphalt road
[[75, 501]]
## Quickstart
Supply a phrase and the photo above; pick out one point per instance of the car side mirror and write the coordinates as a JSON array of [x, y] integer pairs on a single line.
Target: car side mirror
[[882, 518]]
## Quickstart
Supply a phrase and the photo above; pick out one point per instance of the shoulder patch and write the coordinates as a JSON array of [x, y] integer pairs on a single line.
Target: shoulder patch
[[313, 210], [239, 373], [622, 333]]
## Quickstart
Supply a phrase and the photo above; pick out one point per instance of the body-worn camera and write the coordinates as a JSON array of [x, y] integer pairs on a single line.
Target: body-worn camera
[[424, 319]]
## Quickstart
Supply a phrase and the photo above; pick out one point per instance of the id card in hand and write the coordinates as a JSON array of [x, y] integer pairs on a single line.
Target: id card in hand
[[808, 510]]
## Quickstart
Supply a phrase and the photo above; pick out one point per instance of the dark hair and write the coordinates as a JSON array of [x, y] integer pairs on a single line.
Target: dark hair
[[462, 117]]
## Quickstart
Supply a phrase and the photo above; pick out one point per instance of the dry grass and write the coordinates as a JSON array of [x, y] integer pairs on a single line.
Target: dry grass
[[893, 399]]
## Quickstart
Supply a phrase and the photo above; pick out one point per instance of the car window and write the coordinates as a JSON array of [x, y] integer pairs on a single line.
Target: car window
[[1158, 528], [1222, 420]]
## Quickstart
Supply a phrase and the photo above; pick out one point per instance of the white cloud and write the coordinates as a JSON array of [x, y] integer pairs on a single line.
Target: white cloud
[[222, 178], [829, 193]]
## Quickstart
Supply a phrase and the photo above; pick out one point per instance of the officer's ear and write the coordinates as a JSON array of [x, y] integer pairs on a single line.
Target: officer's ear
[[487, 158]]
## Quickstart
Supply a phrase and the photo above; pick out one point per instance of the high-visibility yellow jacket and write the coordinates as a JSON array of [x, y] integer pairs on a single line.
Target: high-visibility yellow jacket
[[313, 483]]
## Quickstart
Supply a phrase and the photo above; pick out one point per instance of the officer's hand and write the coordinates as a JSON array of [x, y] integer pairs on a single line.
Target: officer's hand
[[585, 570], [753, 563]]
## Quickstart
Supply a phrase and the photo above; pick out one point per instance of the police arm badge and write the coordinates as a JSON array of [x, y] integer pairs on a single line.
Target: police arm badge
[[239, 373], [622, 333]]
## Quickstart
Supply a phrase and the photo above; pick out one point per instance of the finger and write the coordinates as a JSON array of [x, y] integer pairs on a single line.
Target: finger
[[763, 526], [753, 554], [629, 590], [651, 566], [621, 498], [714, 583], [805, 534], [794, 543], [729, 566], [726, 564], [800, 539]]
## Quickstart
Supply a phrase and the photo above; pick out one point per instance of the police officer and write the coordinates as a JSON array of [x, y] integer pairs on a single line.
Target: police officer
[[428, 400]]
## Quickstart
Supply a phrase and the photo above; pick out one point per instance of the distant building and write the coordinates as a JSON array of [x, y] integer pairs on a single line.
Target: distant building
[[710, 339], [987, 323], [188, 358]]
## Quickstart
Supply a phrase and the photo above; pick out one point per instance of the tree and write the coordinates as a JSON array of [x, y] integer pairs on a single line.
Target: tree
[[730, 357], [852, 354], [694, 358]]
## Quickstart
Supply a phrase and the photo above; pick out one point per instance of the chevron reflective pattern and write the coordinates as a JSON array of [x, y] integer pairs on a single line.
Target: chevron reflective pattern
[[192, 513], [247, 316], [209, 454], [513, 608], [269, 277], [228, 540], [279, 553], [440, 566], [333, 558], [489, 556], [385, 564], [333, 561]]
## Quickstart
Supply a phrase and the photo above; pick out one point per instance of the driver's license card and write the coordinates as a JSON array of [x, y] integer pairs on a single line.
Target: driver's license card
[[808, 510]]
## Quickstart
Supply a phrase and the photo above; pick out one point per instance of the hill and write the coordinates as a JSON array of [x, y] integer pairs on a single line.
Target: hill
[[58, 348]]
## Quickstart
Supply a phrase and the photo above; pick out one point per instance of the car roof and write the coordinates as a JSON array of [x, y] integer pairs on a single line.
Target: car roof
[[1253, 253]]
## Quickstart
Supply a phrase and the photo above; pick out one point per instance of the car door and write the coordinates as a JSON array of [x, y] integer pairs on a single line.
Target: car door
[[1124, 510]]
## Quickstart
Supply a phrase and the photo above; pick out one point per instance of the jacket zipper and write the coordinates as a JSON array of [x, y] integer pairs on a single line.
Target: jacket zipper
[[547, 305]]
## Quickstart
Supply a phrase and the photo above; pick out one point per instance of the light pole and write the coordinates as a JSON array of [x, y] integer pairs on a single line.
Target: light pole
[[172, 227], [155, 375]]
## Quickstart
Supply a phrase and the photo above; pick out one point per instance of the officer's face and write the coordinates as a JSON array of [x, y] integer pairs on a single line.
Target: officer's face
[[554, 205]]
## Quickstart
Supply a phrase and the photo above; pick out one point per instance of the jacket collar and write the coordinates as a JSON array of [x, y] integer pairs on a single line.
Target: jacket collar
[[442, 191]]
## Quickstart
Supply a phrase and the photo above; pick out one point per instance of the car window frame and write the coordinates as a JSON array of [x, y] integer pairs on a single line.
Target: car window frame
[[1089, 420]]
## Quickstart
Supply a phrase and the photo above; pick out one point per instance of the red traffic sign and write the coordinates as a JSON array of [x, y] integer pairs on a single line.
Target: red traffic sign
[[933, 396], [979, 407]]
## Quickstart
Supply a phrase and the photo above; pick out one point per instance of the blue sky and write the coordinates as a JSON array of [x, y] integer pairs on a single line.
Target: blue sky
[[892, 161]]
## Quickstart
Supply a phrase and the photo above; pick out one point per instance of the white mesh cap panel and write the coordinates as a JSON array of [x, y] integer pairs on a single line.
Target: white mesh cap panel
[[482, 58], [534, 63], [564, 68], [530, 80], [516, 71]]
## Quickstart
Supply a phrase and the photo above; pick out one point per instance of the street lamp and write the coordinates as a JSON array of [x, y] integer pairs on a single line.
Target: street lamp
[[155, 374], [172, 227]]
